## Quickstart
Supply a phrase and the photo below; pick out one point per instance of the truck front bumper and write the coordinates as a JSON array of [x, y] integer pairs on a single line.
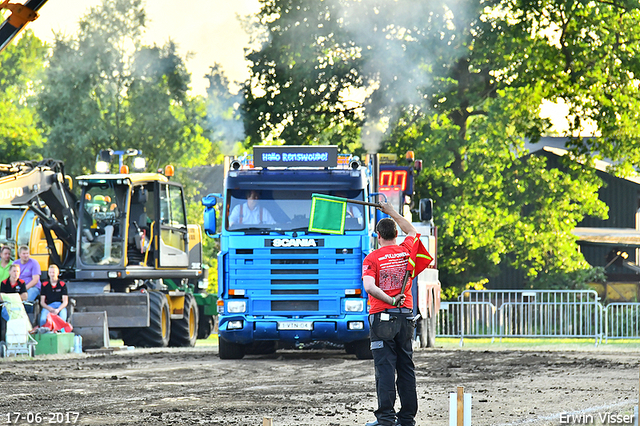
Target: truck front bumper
[[244, 330]]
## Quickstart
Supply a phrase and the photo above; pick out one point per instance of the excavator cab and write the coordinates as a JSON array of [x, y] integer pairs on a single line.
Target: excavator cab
[[130, 224], [103, 223]]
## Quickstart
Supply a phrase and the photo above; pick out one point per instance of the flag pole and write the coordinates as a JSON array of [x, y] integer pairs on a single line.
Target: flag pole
[[405, 280], [363, 203]]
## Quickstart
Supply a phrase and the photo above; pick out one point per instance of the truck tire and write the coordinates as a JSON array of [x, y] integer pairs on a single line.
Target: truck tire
[[158, 333], [262, 347], [230, 350], [184, 332], [360, 348], [430, 328]]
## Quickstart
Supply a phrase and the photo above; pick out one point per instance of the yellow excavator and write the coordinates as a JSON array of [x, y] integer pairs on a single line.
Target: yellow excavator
[[124, 247]]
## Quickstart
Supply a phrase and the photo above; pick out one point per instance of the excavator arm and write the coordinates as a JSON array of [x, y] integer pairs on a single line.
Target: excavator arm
[[21, 14], [42, 187]]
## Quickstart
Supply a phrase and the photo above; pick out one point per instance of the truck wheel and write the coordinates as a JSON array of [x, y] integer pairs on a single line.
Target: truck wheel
[[184, 332], [262, 347], [158, 332], [230, 350], [361, 349], [430, 327]]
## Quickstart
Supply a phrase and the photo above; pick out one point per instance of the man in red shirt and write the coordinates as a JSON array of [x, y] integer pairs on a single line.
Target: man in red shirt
[[391, 327]]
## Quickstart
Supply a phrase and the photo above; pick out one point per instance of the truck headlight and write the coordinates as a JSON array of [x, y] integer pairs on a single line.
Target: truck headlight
[[354, 305], [234, 325], [236, 306], [355, 325]]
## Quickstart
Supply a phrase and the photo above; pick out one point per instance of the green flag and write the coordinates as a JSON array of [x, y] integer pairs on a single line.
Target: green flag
[[327, 214]]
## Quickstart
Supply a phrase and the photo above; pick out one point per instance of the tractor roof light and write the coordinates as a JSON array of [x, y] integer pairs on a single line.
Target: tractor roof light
[[139, 164], [102, 166], [169, 171]]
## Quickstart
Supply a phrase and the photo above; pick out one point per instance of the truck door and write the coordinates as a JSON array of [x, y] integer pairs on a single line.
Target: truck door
[[173, 235]]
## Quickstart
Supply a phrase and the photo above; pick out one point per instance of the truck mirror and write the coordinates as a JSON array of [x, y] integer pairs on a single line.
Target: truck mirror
[[210, 200], [210, 222], [426, 209]]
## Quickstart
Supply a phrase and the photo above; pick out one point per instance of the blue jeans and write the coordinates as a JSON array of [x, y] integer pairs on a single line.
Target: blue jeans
[[32, 295], [43, 315]]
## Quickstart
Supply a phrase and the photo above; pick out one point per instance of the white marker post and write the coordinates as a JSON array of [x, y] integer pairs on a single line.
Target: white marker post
[[636, 409], [460, 408]]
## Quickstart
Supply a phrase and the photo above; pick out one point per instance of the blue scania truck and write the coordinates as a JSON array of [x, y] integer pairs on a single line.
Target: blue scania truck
[[278, 284]]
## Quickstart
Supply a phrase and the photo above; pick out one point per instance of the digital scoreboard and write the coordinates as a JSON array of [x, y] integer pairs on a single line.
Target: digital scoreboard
[[397, 178], [295, 156]]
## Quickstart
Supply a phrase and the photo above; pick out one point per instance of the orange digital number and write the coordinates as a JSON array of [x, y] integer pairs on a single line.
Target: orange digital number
[[394, 178]]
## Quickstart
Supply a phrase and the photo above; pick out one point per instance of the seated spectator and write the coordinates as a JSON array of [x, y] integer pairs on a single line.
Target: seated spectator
[[5, 262], [30, 274], [13, 284], [54, 297]]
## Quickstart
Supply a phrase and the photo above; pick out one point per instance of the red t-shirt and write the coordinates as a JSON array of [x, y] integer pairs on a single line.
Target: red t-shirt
[[388, 265]]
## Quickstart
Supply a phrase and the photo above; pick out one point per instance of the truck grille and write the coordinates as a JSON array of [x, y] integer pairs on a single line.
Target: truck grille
[[294, 280], [294, 305], [294, 272]]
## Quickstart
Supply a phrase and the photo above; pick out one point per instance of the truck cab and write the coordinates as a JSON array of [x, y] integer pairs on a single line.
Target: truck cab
[[279, 284]]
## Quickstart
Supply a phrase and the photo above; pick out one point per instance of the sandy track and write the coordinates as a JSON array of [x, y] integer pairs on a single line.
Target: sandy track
[[297, 388]]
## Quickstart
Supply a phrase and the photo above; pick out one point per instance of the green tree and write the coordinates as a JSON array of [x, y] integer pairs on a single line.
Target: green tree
[[460, 82], [104, 89], [224, 124], [21, 69], [298, 90]]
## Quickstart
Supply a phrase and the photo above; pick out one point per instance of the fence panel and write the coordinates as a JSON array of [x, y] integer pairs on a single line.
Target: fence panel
[[522, 313], [622, 321], [456, 319]]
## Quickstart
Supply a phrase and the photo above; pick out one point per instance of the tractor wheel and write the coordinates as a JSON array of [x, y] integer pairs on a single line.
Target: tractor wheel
[[159, 330], [184, 332], [205, 326], [360, 348], [230, 350]]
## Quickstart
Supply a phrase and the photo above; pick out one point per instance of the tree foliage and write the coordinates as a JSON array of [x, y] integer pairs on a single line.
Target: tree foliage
[[105, 89], [224, 124], [461, 82], [21, 68]]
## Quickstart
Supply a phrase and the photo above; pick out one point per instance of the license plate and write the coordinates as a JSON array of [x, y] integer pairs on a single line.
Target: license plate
[[295, 325]]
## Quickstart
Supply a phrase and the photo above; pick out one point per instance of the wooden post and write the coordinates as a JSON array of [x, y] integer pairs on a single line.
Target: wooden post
[[267, 421], [460, 414]]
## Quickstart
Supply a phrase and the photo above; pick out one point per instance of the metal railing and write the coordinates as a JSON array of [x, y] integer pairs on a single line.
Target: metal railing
[[622, 321], [522, 313]]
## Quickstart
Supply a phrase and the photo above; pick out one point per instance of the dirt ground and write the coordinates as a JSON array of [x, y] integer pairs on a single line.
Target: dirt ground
[[329, 388]]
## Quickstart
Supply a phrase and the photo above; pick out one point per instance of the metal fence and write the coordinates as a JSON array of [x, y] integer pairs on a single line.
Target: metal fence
[[622, 321], [522, 313]]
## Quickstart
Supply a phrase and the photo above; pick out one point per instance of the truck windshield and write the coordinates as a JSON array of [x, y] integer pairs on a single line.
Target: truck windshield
[[102, 230], [284, 210]]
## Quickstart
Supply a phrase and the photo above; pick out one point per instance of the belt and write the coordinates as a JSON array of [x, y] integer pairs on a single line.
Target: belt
[[399, 311]]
